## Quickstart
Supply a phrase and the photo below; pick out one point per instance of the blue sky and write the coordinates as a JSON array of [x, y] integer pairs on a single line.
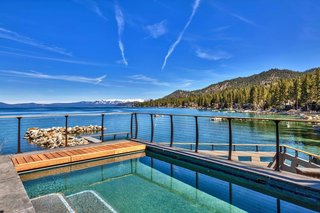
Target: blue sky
[[73, 50]]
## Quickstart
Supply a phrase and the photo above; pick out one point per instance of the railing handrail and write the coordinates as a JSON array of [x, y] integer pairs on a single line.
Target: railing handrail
[[62, 115], [234, 117], [216, 144], [304, 152], [228, 118], [164, 114]]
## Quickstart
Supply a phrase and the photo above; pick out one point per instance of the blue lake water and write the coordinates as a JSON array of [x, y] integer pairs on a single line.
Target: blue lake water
[[299, 135]]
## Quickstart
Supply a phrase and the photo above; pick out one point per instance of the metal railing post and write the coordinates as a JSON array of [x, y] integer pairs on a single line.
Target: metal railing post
[[102, 127], [66, 133], [136, 121], [197, 134], [152, 128], [171, 131], [131, 126], [230, 139], [277, 168], [19, 134]]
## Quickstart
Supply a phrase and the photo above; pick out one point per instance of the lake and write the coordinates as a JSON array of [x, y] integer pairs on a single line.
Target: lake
[[298, 135]]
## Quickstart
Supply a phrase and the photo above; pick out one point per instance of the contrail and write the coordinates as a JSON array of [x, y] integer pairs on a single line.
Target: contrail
[[120, 23], [39, 75], [13, 36], [173, 46]]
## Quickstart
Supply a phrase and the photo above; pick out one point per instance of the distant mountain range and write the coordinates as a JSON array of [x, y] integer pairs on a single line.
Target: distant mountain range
[[100, 103], [262, 78], [275, 89]]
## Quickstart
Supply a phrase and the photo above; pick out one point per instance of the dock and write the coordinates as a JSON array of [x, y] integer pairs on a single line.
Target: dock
[[48, 158]]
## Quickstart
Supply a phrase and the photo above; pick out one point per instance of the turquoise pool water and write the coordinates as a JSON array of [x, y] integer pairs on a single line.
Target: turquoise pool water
[[154, 183]]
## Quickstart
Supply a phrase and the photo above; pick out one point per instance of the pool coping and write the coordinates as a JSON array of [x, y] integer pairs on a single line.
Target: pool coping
[[298, 184], [13, 196]]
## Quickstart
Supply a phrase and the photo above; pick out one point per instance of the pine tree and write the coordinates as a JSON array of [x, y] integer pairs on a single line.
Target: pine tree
[[305, 93], [317, 87], [296, 91]]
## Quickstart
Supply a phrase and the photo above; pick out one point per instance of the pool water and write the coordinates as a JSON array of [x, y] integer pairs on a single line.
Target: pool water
[[153, 183]]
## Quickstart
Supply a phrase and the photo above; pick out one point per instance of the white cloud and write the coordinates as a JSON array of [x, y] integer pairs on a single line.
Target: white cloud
[[13, 36], [92, 5], [235, 15], [212, 56], [98, 11], [28, 55], [149, 80], [120, 23], [158, 29], [38, 75], [173, 46]]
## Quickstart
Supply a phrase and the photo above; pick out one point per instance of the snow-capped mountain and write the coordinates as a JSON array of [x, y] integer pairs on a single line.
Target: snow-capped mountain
[[107, 102]]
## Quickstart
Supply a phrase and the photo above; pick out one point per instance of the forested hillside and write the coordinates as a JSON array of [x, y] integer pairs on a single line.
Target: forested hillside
[[273, 89]]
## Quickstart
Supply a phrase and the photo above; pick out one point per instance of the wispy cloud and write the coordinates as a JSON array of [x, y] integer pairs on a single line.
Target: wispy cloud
[[186, 83], [13, 36], [221, 29], [207, 73], [93, 6], [38, 75], [148, 80], [212, 55], [235, 15], [120, 23], [158, 29], [173, 46], [28, 55]]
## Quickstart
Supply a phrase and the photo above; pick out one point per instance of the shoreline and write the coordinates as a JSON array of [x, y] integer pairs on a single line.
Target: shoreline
[[308, 115]]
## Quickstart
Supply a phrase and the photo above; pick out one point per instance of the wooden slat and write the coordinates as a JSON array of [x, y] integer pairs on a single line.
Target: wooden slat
[[28, 159], [15, 162], [42, 156], [67, 152], [55, 154], [50, 158], [62, 154], [79, 151], [49, 155], [72, 152], [21, 160], [36, 157]]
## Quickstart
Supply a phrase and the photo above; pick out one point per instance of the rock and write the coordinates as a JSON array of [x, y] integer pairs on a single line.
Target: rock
[[55, 137]]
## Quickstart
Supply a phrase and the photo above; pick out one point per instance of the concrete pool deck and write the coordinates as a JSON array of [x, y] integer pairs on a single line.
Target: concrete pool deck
[[13, 196]]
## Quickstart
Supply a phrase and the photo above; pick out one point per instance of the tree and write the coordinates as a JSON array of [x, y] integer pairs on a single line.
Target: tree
[[305, 92], [253, 98], [317, 87], [296, 91]]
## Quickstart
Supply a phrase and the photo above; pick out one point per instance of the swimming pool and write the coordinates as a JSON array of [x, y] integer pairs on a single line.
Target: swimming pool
[[153, 183]]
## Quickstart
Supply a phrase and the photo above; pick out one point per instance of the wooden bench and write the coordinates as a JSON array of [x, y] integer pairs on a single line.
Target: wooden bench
[[29, 161], [311, 172], [92, 139], [114, 134]]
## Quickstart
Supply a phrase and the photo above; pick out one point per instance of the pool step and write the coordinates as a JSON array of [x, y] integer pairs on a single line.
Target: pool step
[[88, 200], [80, 202], [52, 203]]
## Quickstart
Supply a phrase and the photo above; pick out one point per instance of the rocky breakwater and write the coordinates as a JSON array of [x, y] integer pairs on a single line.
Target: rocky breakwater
[[55, 137]]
